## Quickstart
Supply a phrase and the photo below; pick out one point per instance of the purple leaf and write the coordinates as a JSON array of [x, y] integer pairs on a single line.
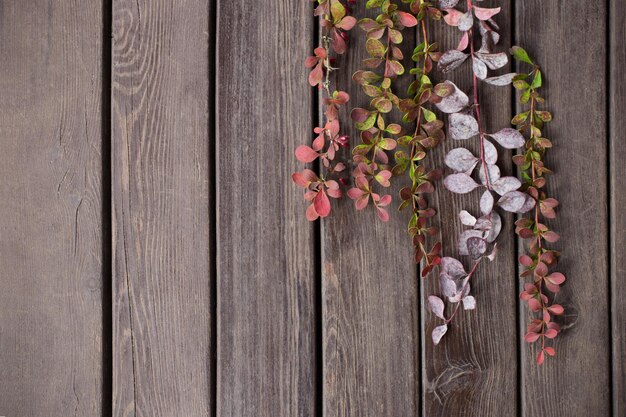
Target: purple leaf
[[452, 267], [436, 306], [447, 285], [480, 69], [509, 138], [462, 126], [461, 160], [486, 202], [466, 21], [447, 4], [469, 303], [494, 174], [491, 153], [466, 218], [505, 185], [438, 333], [451, 60], [476, 246], [454, 102], [513, 201], [496, 227], [493, 61], [460, 183], [501, 80], [529, 204], [463, 237]]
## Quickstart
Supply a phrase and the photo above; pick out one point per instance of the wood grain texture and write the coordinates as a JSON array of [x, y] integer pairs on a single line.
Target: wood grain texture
[[473, 371], [161, 208], [266, 256], [370, 299], [51, 209], [617, 198], [573, 57]]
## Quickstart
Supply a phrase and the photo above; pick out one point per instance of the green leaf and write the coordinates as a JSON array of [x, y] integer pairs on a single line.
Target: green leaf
[[367, 123], [521, 55], [428, 115], [525, 97], [536, 80], [337, 10], [375, 48]]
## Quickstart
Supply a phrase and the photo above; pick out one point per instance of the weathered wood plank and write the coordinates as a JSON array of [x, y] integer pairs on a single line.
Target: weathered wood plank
[[51, 360], [161, 175], [369, 287], [569, 42], [473, 371], [266, 270], [618, 202]]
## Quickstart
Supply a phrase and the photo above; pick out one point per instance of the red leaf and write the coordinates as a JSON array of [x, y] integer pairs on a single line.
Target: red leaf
[[304, 178], [346, 23], [540, 358], [382, 214], [355, 193], [407, 19], [534, 304], [551, 333], [556, 278], [556, 309], [322, 204], [311, 214], [316, 75], [550, 351], [531, 337], [306, 154]]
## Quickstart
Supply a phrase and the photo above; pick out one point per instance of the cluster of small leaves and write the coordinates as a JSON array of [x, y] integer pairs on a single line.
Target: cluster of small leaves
[[428, 134], [539, 259], [469, 171], [335, 21], [378, 136]]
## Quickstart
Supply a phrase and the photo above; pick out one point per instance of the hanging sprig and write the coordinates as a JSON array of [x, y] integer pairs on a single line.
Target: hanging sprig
[[335, 22], [539, 258], [471, 172]]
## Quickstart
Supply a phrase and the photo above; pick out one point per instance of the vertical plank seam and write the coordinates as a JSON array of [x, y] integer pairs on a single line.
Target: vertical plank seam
[[317, 256], [609, 208], [212, 206], [516, 241], [107, 211]]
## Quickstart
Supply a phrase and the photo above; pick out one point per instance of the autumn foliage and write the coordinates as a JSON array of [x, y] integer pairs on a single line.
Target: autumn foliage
[[390, 150]]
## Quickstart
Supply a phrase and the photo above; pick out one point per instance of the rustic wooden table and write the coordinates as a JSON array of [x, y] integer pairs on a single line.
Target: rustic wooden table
[[156, 260]]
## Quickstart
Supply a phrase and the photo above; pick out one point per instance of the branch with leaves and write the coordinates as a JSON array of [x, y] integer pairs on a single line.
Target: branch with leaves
[[335, 21], [471, 172], [539, 258]]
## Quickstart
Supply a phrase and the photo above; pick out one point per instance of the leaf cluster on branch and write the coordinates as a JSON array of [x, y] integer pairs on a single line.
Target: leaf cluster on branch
[[391, 151]]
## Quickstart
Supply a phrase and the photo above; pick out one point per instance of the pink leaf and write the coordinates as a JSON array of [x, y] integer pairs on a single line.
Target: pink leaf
[[462, 126], [531, 337], [461, 160], [385, 200], [466, 218], [316, 75], [383, 178], [505, 185], [486, 202], [346, 23], [311, 214], [452, 17], [540, 358], [322, 204], [407, 19], [382, 214], [306, 154], [463, 42], [483, 13]]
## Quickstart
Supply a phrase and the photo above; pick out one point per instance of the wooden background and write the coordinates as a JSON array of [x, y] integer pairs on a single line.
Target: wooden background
[[154, 255]]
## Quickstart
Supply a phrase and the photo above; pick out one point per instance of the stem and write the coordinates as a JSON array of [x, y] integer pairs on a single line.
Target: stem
[[469, 276], [477, 105]]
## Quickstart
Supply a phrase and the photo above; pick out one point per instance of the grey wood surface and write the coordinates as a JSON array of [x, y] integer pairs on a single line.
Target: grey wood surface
[[617, 199], [369, 288], [155, 256], [266, 333], [51, 320], [473, 371], [570, 45], [161, 182]]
